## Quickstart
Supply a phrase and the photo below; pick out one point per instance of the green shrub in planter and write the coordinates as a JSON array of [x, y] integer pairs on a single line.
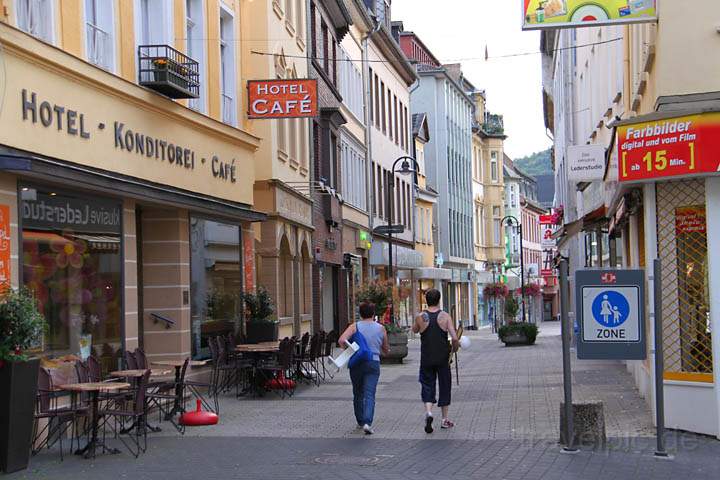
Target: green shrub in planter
[[527, 330], [261, 325], [21, 328]]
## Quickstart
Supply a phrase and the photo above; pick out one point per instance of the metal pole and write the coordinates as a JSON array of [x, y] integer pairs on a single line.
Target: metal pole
[[567, 372], [391, 278], [659, 361], [522, 271]]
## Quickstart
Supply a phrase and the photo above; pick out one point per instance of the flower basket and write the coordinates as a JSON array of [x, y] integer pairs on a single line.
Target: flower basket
[[496, 290], [530, 290]]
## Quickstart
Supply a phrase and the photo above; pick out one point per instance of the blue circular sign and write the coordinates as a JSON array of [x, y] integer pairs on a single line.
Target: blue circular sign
[[610, 309]]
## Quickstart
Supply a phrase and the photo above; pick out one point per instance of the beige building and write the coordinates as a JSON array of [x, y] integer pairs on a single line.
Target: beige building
[[488, 197], [127, 172], [640, 78], [282, 179]]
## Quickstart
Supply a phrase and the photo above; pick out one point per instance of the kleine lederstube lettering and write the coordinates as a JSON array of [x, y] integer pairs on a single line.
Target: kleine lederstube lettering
[[66, 214]]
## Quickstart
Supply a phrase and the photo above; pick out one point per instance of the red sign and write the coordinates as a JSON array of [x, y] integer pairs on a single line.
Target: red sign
[[293, 98], [608, 278], [249, 259], [690, 220], [4, 245], [546, 272], [673, 147], [546, 220]]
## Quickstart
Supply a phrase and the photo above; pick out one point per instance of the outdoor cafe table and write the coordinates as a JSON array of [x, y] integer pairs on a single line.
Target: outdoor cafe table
[[256, 350], [177, 364], [135, 374], [94, 388]]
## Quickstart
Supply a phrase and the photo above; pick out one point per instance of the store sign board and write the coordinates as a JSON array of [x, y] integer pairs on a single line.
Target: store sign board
[[547, 241], [546, 14], [546, 220], [41, 211], [586, 163], [5, 245], [673, 147], [292, 98]]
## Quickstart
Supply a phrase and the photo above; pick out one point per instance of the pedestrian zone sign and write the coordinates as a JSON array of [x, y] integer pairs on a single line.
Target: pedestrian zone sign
[[611, 314]]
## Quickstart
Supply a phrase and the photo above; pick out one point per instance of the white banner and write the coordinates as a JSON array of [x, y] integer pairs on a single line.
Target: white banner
[[586, 163]]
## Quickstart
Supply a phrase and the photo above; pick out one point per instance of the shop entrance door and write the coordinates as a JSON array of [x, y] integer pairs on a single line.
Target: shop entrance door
[[547, 310]]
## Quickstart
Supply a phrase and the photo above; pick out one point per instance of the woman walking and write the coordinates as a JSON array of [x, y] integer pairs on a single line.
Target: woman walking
[[365, 375]]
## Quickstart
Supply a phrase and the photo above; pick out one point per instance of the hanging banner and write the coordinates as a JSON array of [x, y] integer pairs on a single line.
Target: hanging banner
[[4, 245], [546, 14], [672, 147], [292, 98]]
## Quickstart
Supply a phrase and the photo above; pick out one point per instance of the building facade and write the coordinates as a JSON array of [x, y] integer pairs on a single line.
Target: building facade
[[127, 173], [638, 79]]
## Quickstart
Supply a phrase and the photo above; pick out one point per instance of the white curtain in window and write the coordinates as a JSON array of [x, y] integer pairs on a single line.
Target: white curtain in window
[[35, 17]]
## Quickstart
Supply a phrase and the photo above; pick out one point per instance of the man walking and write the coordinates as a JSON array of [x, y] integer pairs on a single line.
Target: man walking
[[434, 325]]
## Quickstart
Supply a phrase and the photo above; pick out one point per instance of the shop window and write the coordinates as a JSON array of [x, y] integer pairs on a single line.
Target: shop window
[[72, 262], [216, 282], [36, 18], [682, 247]]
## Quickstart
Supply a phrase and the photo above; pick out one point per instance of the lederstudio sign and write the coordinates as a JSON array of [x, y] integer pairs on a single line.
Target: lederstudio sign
[[124, 137]]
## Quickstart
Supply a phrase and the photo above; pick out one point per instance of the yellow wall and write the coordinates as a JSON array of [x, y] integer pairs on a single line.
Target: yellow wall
[[100, 101]]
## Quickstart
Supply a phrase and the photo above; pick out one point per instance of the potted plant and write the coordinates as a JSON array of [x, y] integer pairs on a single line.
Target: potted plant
[[384, 294], [21, 328], [261, 325], [512, 307], [518, 333]]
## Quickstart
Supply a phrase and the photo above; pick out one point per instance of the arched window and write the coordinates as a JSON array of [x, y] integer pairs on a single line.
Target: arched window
[[285, 285]]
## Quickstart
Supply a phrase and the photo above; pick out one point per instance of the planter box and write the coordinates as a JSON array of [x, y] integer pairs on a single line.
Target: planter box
[[257, 332], [18, 387], [398, 348], [515, 339]]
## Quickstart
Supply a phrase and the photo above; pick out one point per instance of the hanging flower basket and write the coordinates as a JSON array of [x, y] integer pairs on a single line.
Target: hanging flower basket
[[496, 290], [530, 290]]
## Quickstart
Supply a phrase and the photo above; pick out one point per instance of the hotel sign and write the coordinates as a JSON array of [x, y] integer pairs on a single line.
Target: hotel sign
[[293, 98], [674, 147]]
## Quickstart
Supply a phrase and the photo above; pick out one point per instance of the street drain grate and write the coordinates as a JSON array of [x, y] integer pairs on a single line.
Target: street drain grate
[[348, 460]]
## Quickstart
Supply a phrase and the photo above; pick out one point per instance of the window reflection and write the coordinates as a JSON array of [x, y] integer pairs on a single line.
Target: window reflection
[[216, 272]]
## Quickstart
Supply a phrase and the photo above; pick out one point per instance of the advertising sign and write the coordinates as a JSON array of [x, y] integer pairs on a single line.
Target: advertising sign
[[586, 163], [541, 14], [611, 314], [4, 245], [690, 220], [292, 98], [672, 147], [546, 220]]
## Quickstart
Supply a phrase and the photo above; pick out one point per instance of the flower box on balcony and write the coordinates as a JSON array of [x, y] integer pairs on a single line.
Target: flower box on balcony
[[169, 72]]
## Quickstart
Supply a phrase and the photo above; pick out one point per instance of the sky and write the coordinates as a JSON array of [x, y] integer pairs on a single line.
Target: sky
[[460, 29]]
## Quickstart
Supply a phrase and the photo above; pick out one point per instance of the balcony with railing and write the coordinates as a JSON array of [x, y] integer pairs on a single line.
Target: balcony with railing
[[493, 124], [99, 47], [168, 71]]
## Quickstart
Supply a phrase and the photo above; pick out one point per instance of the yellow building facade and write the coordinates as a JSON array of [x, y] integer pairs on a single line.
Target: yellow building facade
[[128, 171]]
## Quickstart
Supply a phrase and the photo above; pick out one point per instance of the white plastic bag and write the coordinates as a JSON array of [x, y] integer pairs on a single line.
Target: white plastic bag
[[341, 360]]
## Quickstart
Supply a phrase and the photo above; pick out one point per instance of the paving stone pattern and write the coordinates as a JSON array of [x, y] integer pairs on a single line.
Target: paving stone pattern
[[506, 408]]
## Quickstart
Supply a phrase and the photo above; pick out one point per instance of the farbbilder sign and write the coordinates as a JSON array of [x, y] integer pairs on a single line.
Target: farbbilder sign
[[585, 163], [58, 212]]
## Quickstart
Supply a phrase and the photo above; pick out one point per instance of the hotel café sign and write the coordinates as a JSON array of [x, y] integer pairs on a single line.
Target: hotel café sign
[[292, 98], [58, 117]]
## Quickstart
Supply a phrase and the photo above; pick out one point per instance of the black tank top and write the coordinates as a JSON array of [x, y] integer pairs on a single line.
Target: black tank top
[[434, 345]]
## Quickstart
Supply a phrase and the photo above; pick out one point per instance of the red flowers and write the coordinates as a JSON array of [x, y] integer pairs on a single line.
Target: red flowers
[[530, 290], [496, 290]]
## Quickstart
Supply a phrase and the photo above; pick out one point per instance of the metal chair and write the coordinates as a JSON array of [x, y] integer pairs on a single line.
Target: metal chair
[[130, 361], [137, 434]]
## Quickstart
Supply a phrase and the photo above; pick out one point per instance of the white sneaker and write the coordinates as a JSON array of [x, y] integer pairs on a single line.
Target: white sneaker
[[367, 429]]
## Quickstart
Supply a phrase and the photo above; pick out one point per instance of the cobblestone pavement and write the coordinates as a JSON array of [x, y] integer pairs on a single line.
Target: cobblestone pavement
[[506, 409]]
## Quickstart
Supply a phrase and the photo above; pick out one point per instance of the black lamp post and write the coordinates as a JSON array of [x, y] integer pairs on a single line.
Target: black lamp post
[[510, 219], [405, 169]]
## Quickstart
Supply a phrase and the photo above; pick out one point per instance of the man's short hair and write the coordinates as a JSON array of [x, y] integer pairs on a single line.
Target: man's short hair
[[432, 297], [367, 310]]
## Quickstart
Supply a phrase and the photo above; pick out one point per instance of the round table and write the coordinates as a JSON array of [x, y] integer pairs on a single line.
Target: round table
[[177, 364], [94, 388]]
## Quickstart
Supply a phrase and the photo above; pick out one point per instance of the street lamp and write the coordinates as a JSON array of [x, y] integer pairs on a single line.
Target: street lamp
[[510, 219], [405, 169]]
